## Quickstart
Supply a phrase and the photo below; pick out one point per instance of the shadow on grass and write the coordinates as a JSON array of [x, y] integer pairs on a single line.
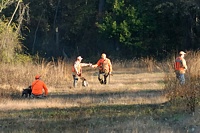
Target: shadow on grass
[[93, 94], [98, 119]]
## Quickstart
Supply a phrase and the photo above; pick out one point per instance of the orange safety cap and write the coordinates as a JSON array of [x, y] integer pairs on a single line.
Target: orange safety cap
[[37, 76]]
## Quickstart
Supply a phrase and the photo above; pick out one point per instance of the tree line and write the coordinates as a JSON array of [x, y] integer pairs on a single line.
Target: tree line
[[120, 28]]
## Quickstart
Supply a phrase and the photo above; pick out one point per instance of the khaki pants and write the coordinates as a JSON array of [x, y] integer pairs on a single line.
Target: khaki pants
[[102, 77]]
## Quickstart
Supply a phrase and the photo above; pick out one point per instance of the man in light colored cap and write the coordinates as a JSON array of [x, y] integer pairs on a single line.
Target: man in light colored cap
[[180, 67], [105, 68], [77, 69], [182, 53]]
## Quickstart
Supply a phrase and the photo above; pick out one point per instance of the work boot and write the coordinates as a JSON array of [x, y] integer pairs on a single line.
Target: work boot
[[101, 81]]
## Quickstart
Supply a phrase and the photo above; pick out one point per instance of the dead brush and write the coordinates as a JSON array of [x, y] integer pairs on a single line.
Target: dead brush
[[185, 96], [55, 72], [9, 93], [149, 62]]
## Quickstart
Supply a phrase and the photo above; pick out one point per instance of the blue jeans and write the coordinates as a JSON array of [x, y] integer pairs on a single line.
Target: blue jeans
[[37, 96], [181, 78]]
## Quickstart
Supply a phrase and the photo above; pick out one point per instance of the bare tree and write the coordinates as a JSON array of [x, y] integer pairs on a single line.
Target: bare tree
[[23, 15], [14, 12], [35, 35], [5, 3]]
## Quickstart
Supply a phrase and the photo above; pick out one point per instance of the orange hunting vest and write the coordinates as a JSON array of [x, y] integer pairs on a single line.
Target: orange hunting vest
[[104, 65], [178, 64]]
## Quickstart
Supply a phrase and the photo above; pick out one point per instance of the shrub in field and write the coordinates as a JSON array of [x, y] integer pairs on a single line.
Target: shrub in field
[[9, 42], [22, 58]]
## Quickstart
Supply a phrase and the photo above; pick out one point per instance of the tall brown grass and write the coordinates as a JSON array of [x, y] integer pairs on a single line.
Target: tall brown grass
[[56, 72], [57, 75], [16, 76], [186, 95]]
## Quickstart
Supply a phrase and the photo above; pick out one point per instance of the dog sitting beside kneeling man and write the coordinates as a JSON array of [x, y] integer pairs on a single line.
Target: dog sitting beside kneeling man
[[26, 92], [36, 89]]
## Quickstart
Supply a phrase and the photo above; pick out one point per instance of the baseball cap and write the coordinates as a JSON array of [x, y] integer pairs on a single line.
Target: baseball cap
[[37, 76], [79, 58], [181, 53]]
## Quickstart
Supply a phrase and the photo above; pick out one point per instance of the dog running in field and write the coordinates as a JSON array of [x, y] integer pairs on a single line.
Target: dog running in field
[[84, 82], [26, 92]]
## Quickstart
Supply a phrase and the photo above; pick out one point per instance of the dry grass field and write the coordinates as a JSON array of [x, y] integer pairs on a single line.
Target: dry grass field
[[132, 102]]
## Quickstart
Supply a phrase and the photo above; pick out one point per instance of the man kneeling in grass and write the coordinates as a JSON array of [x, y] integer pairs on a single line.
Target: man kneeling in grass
[[37, 88]]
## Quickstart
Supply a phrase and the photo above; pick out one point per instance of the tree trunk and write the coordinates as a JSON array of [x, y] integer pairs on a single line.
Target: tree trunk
[[101, 6], [57, 41], [35, 36], [55, 17], [23, 9], [14, 13]]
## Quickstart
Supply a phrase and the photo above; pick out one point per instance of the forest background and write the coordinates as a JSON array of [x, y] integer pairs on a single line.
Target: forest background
[[124, 29]]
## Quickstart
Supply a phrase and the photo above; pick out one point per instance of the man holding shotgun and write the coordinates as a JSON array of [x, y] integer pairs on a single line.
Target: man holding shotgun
[[105, 68]]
